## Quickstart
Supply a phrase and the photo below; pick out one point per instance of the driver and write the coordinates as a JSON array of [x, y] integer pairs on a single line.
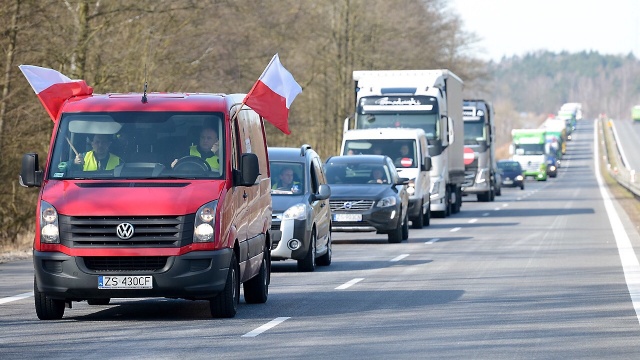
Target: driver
[[207, 148]]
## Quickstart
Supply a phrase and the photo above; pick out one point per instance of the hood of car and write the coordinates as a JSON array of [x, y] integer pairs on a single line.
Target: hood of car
[[511, 174], [281, 203], [363, 191]]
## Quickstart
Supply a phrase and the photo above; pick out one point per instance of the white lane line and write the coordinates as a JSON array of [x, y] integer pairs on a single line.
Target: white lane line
[[399, 257], [496, 209], [265, 327], [628, 258], [472, 221], [349, 283], [485, 214], [505, 205], [455, 229], [16, 297], [432, 241]]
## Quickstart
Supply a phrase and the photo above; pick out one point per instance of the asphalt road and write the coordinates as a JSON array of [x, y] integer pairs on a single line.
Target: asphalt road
[[537, 274]]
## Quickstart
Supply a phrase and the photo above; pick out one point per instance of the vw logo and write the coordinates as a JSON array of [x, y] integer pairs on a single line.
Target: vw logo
[[124, 231]]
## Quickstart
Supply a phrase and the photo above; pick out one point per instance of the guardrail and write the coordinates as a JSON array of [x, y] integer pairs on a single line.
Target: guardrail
[[614, 159]]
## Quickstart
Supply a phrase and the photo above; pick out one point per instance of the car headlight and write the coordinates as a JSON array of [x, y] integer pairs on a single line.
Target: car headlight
[[552, 168], [49, 230], [435, 188], [296, 212], [205, 222], [519, 177], [387, 201]]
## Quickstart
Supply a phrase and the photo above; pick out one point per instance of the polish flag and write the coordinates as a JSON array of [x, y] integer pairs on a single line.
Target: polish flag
[[53, 88], [271, 96]]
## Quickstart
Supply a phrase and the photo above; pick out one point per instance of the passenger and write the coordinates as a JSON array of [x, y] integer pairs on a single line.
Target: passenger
[[207, 148], [404, 154], [377, 176], [286, 181], [99, 158]]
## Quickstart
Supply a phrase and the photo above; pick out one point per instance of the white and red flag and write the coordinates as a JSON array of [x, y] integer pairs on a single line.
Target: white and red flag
[[271, 96], [53, 88]]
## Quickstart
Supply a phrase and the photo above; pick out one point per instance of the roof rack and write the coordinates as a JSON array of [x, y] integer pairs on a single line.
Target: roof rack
[[304, 149]]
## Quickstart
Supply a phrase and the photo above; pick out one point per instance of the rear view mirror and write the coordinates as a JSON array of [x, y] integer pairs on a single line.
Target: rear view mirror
[[249, 170], [30, 175]]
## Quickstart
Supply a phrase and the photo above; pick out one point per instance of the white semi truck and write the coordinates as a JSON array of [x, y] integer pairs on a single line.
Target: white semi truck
[[426, 99]]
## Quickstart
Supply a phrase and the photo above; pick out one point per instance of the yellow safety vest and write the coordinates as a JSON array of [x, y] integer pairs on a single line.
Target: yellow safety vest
[[91, 163], [213, 161]]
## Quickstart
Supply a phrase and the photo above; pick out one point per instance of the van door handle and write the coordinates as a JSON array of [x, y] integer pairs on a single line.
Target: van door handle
[[244, 195]]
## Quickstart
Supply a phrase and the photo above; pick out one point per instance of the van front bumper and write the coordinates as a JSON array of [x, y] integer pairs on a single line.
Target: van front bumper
[[195, 275]]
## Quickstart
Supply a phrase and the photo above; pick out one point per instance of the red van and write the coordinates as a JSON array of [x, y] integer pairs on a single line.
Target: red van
[[166, 195]]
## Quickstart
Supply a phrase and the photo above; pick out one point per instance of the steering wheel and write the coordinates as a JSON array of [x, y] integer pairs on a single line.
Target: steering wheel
[[192, 164]]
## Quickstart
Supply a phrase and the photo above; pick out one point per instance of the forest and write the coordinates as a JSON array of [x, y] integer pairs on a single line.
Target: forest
[[222, 46]]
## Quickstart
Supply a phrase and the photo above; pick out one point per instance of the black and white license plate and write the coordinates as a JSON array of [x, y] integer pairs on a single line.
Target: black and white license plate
[[125, 282]]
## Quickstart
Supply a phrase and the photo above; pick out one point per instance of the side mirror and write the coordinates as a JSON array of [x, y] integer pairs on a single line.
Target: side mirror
[[30, 175], [426, 164], [249, 170], [324, 192], [403, 181]]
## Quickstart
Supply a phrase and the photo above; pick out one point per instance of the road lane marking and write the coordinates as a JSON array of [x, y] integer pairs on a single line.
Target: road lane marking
[[16, 297], [432, 241], [505, 205], [496, 209], [399, 257], [630, 265], [265, 327], [485, 214], [349, 283], [472, 221], [455, 229]]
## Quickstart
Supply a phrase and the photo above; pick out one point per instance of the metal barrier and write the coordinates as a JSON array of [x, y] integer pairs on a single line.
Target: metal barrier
[[614, 159]]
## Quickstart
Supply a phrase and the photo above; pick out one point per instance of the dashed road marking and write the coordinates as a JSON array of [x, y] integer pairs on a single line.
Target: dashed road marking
[[349, 283], [16, 297], [432, 241], [399, 257], [455, 229], [265, 327], [472, 221]]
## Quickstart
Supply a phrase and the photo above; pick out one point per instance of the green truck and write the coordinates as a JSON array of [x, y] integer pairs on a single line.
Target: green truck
[[635, 113], [529, 148]]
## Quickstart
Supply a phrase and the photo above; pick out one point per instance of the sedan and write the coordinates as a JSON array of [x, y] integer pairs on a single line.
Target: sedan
[[368, 195]]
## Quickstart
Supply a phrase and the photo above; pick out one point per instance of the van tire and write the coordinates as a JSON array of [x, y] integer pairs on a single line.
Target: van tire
[[325, 260], [46, 307], [225, 304], [418, 221], [256, 290], [103, 301], [308, 263], [426, 218]]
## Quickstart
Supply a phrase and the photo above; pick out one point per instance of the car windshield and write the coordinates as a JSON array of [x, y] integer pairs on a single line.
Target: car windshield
[[138, 145], [357, 173], [287, 178], [509, 166], [402, 151]]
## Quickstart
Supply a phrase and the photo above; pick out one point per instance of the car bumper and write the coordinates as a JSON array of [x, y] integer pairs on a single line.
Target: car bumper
[[195, 275], [282, 233], [377, 219], [476, 189]]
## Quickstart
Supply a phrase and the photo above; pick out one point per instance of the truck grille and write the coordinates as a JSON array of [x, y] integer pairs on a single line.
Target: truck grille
[[125, 263], [350, 205], [149, 231], [469, 178]]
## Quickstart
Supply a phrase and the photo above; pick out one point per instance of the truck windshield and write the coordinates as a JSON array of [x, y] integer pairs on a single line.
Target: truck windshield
[[399, 112], [530, 149], [474, 132], [138, 145]]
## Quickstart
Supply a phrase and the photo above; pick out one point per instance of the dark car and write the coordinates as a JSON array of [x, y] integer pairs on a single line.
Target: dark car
[[368, 195], [301, 220], [512, 174]]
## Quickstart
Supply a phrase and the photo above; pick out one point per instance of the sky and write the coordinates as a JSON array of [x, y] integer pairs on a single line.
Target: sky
[[516, 27]]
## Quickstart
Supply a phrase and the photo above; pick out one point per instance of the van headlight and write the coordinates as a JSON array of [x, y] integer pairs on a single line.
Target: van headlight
[[49, 230], [411, 187], [387, 201], [296, 212], [205, 222]]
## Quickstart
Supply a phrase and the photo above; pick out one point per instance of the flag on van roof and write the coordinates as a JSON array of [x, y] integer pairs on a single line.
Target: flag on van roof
[[271, 96], [53, 88]]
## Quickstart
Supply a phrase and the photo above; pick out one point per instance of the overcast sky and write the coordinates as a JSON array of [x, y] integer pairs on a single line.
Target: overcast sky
[[515, 27]]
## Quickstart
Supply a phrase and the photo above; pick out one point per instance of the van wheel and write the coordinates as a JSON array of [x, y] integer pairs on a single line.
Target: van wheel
[[447, 206], [308, 264], [46, 307], [418, 221], [405, 227], [426, 218], [256, 290], [225, 304], [395, 235], [103, 301], [325, 260]]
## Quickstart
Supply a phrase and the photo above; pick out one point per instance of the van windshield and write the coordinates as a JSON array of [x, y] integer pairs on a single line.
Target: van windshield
[[401, 151], [139, 145]]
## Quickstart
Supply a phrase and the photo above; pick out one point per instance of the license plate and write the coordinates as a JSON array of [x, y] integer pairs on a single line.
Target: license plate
[[125, 282], [347, 217], [507, 182]]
